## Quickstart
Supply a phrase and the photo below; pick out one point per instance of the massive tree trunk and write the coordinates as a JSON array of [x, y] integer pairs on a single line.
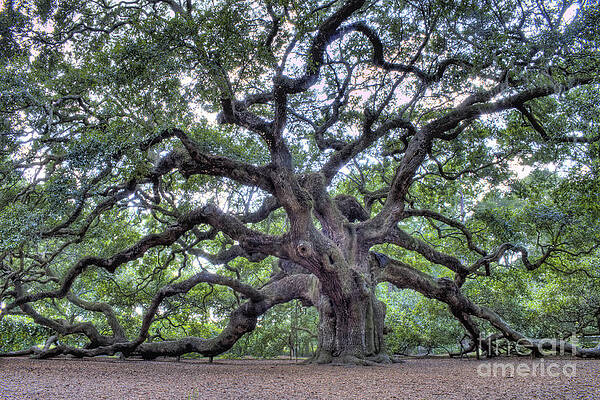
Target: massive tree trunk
[[351, 332], [351, 319]]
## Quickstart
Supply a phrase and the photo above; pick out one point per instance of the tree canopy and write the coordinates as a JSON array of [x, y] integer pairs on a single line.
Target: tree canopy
[[168, 163]]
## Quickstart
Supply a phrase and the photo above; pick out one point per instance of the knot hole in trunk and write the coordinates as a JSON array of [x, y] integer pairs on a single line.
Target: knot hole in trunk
[[304, 249]]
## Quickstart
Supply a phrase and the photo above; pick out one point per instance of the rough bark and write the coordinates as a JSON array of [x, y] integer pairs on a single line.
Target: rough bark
[[351, 333]]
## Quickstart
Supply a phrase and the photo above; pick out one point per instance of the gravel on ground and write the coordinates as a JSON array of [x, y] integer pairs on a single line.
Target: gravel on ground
[[413, 379]]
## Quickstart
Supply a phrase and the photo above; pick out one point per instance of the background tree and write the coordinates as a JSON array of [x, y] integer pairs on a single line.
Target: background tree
[[152, 147]]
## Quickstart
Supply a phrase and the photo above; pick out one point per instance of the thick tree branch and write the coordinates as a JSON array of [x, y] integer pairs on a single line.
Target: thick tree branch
[[249, 239], [420, 144], [198, 162], [242, 320], [325, 35], [503, 248], [104, 308], [402, 239], [450, 222], [405, 277], [379, 60]]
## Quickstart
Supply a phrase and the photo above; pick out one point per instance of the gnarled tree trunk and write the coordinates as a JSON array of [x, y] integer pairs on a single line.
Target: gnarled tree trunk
[[351, 332]]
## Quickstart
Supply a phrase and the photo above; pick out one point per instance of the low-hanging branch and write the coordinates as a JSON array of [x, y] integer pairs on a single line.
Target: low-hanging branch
[[252, 240], [406, 277]]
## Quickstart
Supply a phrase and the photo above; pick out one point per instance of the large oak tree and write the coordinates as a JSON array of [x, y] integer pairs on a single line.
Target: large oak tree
[[330, 136]]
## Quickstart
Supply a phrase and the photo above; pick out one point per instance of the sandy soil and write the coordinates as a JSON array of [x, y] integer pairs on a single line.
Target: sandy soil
[[414, 379]]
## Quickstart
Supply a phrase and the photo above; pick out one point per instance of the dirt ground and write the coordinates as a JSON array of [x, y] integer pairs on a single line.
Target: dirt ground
[[414, 379]]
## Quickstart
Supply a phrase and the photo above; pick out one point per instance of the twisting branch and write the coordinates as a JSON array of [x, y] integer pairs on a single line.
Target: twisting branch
[[366, 139], [406, 277], [326, 34], [249, 239], [198, 162], [242, 320], [400, 238], [104, 308], [379, 60], [63, 327], [503, 248], [450, 222], [420, 144], [227, 255]]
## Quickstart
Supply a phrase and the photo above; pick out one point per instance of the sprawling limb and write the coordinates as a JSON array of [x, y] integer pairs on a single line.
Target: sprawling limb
[[63, 327], [242, 320], [418, 147], [450, 222], [194, 161], [404, 240], [248, 238], [406, 277], [535, 124], [104, 308]]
